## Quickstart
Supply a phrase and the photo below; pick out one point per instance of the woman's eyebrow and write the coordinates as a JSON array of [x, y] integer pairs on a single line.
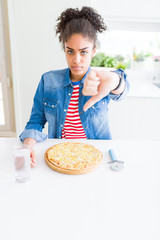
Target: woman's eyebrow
[[82, 49]]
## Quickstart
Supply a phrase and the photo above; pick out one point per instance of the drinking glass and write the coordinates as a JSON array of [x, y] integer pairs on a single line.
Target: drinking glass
[[21, 156]]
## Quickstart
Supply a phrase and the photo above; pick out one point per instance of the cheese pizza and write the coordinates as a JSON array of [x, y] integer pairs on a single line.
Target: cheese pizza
[[73, 156]]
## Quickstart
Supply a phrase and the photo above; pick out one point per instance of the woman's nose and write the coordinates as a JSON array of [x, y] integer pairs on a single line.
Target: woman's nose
[[77, 58]]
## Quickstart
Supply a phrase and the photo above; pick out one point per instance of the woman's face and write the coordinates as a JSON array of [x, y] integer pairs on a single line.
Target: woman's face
[[79, 52]]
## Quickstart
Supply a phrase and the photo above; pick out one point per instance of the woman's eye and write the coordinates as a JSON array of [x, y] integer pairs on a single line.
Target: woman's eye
[[83, 52], [70, 52]]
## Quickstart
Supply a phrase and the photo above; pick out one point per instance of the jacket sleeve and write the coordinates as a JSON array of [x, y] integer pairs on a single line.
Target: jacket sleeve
[[34, 126], [126, 90]]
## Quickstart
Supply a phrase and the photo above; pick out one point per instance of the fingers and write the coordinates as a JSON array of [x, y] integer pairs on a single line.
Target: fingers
[[33, 164], [90, 90], [33, 159], [91, 84]]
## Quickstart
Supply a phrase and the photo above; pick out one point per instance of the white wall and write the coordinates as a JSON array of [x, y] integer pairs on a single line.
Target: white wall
[[128, 9], [35, 48]]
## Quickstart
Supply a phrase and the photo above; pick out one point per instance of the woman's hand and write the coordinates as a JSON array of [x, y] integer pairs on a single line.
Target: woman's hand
[[31, 142], [91, 83], [99, 84], [33, 158]]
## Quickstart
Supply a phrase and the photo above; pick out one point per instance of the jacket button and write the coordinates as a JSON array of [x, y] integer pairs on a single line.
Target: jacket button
[[52, 106], [45, 103], [64, 110], [61, 125]]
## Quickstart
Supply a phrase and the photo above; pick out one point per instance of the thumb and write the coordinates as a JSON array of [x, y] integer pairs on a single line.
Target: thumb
[[91, 102]]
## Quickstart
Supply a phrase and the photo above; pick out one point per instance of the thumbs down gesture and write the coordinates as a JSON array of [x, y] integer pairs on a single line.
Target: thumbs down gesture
[[99, 84]]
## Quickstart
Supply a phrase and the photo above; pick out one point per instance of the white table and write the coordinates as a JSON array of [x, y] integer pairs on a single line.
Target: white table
[[102, 204]]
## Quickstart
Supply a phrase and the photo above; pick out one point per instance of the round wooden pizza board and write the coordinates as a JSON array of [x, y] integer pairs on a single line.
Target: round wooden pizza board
[[70, 171]]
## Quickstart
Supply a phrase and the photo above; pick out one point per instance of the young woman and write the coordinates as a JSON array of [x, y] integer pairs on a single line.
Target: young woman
[[74, 101]]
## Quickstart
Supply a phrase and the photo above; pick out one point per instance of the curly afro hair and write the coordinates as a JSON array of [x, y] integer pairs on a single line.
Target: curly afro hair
[[85, 21]]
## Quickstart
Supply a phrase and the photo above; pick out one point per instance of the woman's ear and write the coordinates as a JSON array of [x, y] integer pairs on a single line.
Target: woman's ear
[[94, 51]]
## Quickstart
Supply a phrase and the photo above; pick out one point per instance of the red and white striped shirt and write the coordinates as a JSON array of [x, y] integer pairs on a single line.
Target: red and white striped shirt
[[73, 127]]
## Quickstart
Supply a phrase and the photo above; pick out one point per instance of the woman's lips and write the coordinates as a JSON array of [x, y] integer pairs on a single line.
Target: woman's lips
[[77, 68]]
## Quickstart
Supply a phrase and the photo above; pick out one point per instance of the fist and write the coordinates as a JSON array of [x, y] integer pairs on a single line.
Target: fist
[[91, 83], [98, 85]]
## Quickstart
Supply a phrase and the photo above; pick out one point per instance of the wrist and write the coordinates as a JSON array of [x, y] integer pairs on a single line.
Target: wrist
[[30, 142]]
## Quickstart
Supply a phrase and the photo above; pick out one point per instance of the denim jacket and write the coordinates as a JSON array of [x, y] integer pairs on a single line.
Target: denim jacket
[[51, 102]]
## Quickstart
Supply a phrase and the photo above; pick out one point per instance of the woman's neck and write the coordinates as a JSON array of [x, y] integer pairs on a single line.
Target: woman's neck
[[76, 78]]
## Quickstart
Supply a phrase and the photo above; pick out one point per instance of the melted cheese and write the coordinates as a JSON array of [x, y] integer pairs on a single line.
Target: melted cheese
[[74, 155]]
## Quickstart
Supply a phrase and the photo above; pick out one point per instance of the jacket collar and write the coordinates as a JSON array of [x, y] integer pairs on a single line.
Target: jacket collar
[[68, 80]]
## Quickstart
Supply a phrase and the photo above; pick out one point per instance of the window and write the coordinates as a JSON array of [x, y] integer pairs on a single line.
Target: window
[[7, 124], [132, 48]]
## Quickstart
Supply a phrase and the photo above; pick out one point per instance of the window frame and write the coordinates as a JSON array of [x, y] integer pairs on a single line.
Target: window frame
[[8, 129]]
